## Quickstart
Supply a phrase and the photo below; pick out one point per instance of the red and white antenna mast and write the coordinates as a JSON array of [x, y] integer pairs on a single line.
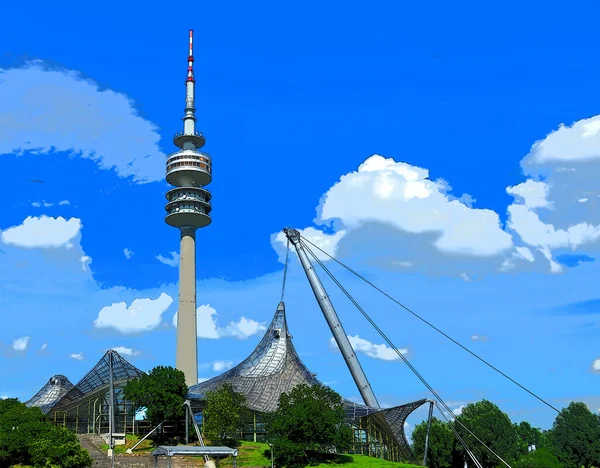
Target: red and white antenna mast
[[190, 76]]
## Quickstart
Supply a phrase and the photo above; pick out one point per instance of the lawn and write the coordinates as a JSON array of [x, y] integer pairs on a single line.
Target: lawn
[[252, 454]]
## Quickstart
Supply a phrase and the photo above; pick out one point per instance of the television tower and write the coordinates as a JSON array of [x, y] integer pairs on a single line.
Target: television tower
[[188, 209]]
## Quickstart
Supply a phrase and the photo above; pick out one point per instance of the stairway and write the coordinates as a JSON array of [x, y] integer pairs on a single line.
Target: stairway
[[92, 443]]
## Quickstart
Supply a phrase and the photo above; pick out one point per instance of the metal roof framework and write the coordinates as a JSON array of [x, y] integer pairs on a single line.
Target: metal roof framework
[[274, 367], [98, 377], [57, 387]]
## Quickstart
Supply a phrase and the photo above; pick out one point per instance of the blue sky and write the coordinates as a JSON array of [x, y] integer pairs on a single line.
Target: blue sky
[[449, 152]]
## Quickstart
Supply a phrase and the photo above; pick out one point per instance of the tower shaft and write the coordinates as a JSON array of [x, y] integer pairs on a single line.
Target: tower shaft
[[188, 208], [186, 359]]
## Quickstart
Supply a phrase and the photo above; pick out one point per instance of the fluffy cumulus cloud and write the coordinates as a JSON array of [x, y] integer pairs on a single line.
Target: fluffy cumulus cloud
[[376, 351], [126, 351], [596, 365], [128, 253], [220, 366], [556, 210], [52, 110], [458, 411], [140, 316], [206, 319], [172, 260], [43, 232], [406, 220], [77, 356], [20, 344]]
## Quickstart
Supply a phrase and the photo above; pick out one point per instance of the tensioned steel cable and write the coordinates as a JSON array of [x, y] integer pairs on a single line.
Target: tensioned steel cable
[[287, 255], [457, 435], [389, 342], [434, 327]]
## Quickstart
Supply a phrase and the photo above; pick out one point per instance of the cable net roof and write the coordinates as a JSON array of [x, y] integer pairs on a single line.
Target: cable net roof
[[57, 387], [274, 368], [99, 377]]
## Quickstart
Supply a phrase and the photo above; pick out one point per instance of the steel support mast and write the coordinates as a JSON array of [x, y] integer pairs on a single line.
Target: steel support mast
[[334, 322]]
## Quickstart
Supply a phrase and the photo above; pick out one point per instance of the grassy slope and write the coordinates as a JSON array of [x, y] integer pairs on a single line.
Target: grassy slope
[[252, 454]]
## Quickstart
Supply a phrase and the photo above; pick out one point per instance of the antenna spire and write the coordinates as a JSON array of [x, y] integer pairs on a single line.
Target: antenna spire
[[190, 76]]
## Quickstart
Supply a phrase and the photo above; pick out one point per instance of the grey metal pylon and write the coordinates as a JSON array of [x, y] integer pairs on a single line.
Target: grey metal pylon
[[356, 370]]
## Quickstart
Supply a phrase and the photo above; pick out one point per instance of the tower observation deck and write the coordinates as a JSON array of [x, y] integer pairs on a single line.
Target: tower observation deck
[[188, 208]]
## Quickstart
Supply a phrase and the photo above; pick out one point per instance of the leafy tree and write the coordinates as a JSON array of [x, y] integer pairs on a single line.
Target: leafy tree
[[225, 413], [491, 426], [441, 443], [575, 436], [528, 435], [162, 392], [26, 437], [539, 458], [59, 447], [19, 427], [308, 418]]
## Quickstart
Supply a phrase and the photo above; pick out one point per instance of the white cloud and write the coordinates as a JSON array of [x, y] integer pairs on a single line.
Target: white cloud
[[596, 365], [128, 253], [47, 111], [64, 202], [4, 397], [220, 366], [85, 261], [20, 344], [203, 379], [242, 329], [479, 338], [126, 351], [577, 143], [77, 356], [403, 195], [376, 351], [44, 346], [326, 242], [173, 261], [399, 202], [206, 319], [531, 192], [142, 315], [40, 204], [43, 232], [458, 411], [535, 232]]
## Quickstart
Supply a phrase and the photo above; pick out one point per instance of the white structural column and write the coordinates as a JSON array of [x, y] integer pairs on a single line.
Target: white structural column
[[187, 343]]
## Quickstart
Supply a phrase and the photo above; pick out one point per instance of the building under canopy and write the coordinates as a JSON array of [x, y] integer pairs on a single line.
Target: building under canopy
[[84, 408], [274, 367]]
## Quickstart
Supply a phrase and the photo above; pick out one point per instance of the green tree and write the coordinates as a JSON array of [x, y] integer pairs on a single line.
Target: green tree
[[528, 435], [162, 392], [26, 437], [491, 426], [225, 413], [539, 458], [441, 443], [59, 447], [308, 418], [575, 436], [19, 427]]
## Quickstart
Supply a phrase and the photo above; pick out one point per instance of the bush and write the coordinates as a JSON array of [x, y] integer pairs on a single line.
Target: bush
[[59, 447]]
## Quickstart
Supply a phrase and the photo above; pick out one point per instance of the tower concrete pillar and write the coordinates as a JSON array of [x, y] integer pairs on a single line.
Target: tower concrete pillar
[[187, 342]]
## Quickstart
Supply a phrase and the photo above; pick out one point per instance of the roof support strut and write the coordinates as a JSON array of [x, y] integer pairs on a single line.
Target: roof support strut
[[334, 322]]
